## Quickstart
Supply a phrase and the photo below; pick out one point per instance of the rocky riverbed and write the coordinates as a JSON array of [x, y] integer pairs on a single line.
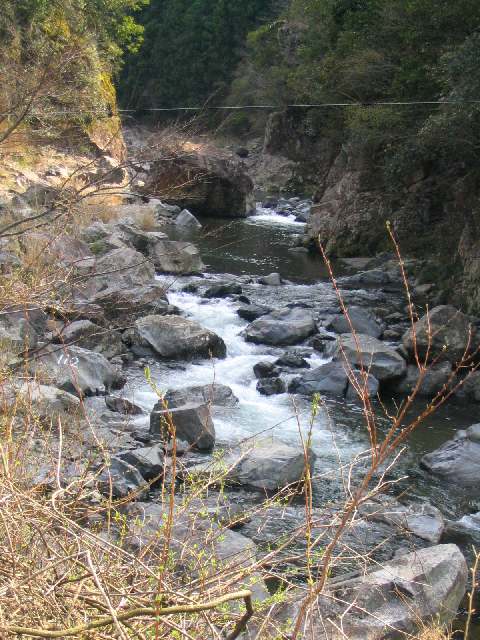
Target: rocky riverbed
[[241, 332]]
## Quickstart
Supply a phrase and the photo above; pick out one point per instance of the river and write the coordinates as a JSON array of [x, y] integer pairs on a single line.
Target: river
[[242, 250]]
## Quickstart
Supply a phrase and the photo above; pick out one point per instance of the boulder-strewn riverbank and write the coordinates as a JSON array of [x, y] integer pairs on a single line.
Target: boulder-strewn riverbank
[[226, 353]]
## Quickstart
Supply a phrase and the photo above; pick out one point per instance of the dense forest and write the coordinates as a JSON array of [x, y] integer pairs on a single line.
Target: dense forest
[[353, 51]]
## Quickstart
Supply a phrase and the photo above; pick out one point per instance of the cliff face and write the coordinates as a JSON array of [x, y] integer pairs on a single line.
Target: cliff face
[[434, 216]]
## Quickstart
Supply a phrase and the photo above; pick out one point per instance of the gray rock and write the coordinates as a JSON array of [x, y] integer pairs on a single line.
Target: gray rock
[[124, 305], [383, 362], [378, 278], [423, 520], [292, 361], [265, 369], [361, 320], [86, 334], [8, 262], [273, 280], [39, 196], [171, 256], [46, 402], [148, 461], [200, 546], [458, 460], [122, 405], [434, 380], [329, 379], [143, 241], [400, 598], [165, 210], [76, 370], [187, 220], [253, 311], [450, 331], [370, 386], [223, 290], [123, 269], [175, 338], [121, 479], [206, 181], [193, 424], [464, 530], [471, 387], [283, 327], [271, 386], [263, 464], [218, 395]]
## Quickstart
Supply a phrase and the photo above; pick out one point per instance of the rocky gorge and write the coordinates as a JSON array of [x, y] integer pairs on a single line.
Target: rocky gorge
[[233, 334]]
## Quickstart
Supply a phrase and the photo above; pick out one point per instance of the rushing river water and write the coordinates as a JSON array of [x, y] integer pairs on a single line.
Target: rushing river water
[[242, 250]]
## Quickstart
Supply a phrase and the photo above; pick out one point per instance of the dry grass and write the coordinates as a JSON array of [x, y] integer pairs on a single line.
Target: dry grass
[[147, 220]]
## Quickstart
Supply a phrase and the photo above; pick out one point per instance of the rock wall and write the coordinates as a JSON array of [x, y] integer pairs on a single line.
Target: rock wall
[[206, 181], [434, 216]]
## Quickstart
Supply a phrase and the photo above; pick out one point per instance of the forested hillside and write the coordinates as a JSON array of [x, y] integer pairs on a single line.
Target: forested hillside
[[58, 60], [362, 51], [190, 51]]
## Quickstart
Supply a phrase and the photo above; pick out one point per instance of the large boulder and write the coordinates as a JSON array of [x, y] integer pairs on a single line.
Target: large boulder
[[148, 461], [76, 370], [383, 362], [123, 406], [201, 548], [271, 386], [86, 334], [422, 520], [253, 311], [186, 220], [465, 530], [124, 305], [20, 328], [445, 333], [405, 595], [45, 402], [264, 464], [283, 327], [218, 395], [123, 268], [435, 378], [207, 182], [193, 424], [143, 241], [121, 479], [174, 338], [332, 379], [171, 256], [458, 460], [223, 290], [362, 321], [329, 379]]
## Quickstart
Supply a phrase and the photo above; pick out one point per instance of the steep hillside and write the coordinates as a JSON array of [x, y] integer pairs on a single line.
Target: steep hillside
[[414, 163], [57, 61]]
